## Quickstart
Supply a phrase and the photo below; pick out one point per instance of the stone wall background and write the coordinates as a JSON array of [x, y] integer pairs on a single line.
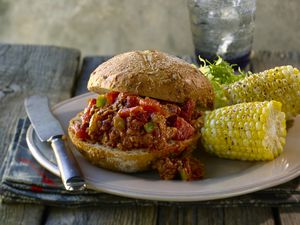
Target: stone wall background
[[113, 26]]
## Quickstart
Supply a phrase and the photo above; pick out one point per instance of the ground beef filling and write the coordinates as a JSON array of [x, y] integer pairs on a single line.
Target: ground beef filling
[[127, 121]]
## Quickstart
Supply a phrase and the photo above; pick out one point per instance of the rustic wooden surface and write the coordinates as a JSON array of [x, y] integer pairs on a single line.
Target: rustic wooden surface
[[11, 214], [103, 216], [289, 216], [266, 60], [26, 70]]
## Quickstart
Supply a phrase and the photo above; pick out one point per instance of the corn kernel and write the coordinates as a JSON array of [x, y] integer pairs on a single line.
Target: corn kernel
[[280, 83], [243, 137]]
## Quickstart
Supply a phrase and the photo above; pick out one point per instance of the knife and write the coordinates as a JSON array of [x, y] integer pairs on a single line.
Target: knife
[[48, 128]]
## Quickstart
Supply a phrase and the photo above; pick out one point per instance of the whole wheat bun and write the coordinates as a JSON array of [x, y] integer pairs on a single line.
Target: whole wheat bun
[[153, 74], [135, 160]]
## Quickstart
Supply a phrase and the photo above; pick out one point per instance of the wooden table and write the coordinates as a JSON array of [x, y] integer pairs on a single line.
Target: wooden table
[[27, 70]]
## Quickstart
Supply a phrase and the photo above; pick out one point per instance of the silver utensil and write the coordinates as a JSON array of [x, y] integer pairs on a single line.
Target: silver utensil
[[48, 128]]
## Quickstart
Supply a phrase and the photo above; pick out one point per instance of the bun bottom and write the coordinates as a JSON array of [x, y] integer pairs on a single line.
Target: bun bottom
[[114, 159]]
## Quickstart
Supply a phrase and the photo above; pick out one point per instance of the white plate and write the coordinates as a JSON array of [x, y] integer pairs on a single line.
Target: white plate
[[224, 178]]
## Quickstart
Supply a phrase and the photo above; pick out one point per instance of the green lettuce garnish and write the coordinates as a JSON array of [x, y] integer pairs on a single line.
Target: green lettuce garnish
[[221, 73]]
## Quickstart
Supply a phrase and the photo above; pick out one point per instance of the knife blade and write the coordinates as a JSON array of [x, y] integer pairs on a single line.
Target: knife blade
[[48, 128]]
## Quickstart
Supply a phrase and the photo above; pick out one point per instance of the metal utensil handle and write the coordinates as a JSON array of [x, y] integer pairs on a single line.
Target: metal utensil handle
[[68, 168]]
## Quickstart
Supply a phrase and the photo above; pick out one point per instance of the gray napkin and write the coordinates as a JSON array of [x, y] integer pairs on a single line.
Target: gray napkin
[[25, 180]]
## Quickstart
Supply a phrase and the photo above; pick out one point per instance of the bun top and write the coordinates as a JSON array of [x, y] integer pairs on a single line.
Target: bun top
[[154, 74]]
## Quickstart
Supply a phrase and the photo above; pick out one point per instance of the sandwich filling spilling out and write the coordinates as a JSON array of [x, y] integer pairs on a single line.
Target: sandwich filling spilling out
[[129, 122]]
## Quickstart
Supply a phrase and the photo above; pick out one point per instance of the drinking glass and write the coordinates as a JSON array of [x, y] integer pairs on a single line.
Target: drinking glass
[[224, 28]]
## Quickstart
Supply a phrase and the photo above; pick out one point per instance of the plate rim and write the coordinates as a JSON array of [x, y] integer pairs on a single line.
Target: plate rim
[[130, 192]]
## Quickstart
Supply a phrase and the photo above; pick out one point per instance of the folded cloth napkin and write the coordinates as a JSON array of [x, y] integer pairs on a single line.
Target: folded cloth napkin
[[25, 180]]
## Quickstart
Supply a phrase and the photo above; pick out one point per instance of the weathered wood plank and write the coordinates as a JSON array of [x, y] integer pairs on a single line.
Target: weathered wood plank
[[174, 215], [248, 215], [265, 60], [167, 215], [88, 65], [213, 216], [289, 216], [217, 216], [28, 70], [107, 216], [24, 71], [11, 214]]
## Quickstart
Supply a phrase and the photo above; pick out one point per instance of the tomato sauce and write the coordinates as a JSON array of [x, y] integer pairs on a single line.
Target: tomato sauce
[[127, 121]]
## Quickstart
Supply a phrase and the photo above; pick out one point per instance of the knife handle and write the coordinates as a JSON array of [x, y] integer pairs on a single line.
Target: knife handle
[[69, 172]]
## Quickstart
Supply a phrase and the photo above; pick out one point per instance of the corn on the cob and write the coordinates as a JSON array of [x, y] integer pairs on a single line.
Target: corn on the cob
[[245, 131], [281, 84]]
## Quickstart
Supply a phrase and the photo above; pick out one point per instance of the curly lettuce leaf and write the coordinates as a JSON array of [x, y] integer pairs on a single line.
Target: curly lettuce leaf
[[220, 73]]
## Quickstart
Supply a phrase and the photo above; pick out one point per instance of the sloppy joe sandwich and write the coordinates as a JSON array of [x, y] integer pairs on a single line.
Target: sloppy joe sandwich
[[148, 115]]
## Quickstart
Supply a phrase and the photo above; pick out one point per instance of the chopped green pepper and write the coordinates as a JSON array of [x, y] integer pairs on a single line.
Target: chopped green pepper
[[119, 123], [101, 101], [183, 174], [149, 127]]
